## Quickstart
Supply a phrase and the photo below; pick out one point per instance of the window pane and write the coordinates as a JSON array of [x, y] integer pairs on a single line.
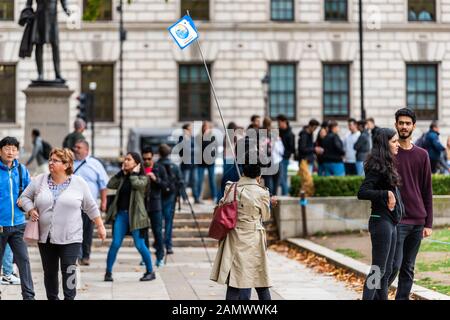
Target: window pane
[[282, 90], [100, 10], [6, 10], [7, 93], [103, 75], [336, 97], [336, 10], [198, 9], [422, 90], [282, 10], [195, 93], [422, 10]]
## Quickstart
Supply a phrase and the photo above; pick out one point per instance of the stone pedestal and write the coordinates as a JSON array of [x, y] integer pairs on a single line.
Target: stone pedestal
[[47, 109]]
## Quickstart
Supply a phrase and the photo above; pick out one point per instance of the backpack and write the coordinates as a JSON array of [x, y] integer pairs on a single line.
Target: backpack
[[46, 149], [421, 142], [171, 186]]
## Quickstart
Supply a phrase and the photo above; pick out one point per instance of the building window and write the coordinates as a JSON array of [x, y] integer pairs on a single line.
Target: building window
[[422, 88], [100, 10], [336, 10], [195, 93], [282, 90], [7, 93], [6, 10], [198, 9], [103, 75], [421, 10], [336, 91], [282, 10]]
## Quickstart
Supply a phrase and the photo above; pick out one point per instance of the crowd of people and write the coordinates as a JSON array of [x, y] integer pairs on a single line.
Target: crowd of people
[[69, 192]]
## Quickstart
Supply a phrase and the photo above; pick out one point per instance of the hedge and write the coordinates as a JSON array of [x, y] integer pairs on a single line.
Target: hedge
[[349, 185]]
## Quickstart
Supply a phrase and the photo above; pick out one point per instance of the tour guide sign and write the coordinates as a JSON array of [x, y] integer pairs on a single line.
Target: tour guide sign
[[184, 33]]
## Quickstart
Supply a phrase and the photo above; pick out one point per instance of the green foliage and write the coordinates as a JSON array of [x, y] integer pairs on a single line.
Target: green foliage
[[433, 285], [349, 185], [92, 10]]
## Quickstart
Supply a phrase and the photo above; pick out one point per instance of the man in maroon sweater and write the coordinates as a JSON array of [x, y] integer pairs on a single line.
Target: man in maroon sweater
[[413, 165]]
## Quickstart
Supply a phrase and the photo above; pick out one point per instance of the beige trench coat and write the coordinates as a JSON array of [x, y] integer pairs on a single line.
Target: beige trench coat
[[241, 260]]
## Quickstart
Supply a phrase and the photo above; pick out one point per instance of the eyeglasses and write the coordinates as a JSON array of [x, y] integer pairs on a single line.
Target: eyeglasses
[[10, 149], [54, 161]]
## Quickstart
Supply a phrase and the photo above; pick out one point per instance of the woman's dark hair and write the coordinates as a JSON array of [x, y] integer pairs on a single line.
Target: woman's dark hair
[[138, 159], [381, 159], [252, 170]]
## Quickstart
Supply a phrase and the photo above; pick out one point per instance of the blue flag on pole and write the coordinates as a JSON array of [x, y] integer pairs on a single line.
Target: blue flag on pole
[[184, 32]]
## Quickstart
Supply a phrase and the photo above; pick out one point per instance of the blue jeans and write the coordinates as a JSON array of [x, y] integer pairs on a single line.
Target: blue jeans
[[168, 205], [321, 169], [360, 168], [334, 169], [7, 262], [211, 178], [190, 178], [284, 177], [121, 226]]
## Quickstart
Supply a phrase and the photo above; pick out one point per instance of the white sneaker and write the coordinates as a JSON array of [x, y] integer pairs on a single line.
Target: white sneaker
[[10, 280]]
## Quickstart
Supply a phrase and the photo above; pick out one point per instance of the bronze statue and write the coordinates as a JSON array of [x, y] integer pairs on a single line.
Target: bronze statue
[[42, 28]]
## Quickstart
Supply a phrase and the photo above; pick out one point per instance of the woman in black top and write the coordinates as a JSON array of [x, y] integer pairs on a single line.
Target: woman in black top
[[380, 186]]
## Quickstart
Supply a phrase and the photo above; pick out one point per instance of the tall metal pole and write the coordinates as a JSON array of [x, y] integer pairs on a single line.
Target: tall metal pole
[[92, 115], [122, 39], [361, 60]]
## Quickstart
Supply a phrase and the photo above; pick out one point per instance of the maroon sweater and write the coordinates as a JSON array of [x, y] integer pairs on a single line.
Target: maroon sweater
[[414, 168]]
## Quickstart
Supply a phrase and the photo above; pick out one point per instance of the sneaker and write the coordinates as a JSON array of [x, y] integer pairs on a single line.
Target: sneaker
[[108, 277], [148, 276], [12, 279], [160, 263], [169, 251]]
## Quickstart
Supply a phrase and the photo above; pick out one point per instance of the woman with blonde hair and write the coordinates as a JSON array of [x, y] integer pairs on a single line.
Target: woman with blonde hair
[[56, 201]]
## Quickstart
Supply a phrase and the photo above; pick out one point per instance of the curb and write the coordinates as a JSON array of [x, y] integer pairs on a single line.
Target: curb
[[359, 268]]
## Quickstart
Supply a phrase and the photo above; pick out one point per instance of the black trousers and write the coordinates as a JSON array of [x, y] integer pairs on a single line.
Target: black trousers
[[245, 294], [14, 237], [409, 238], [383, 234], [88, 231], [350, 169], [52, 255]]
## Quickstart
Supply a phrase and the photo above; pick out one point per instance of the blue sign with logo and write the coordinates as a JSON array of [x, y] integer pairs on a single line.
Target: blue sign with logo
[[184, 32]]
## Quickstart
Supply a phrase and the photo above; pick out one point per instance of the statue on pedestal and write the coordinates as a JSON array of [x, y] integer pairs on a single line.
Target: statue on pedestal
[[41, 27]]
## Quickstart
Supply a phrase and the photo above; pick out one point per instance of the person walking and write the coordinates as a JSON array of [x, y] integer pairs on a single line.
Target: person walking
[[127, 213], [14, 178], [349, 147], [208, 159], [319, 144], [169, 194], [288, 140], [362, 147], [79, 126], [93, 172], [188, 166], [55, 200], [38, 153], [241, 260], [433, 146], [417, 193], [333, 152], [157, 180], [380, 186], [306, 148]]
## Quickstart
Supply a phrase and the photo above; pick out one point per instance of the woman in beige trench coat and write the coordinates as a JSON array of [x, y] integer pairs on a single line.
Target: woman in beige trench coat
[[241, 260]]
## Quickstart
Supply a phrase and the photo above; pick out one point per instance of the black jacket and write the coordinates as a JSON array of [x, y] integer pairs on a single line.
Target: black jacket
[[288, 139], [375, 189], [362, 146], [305, 146], [26, 19], [153, 192], [333, 148]]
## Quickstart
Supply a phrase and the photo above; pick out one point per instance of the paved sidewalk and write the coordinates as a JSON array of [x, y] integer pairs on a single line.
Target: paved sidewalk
[[186, 276]]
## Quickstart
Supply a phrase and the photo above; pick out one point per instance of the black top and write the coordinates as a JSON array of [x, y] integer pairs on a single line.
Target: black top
[[305, 146], [362, 146], [288, 139], [375, 189], [333, 148], [153, 192], [123, 202]]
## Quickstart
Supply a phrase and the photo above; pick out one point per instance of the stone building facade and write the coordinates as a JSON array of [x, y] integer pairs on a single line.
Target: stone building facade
[[312, 56]]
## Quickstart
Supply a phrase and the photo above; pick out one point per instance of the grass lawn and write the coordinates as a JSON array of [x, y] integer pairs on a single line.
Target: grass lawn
[[350, 253], [440, 235], [433, 285]]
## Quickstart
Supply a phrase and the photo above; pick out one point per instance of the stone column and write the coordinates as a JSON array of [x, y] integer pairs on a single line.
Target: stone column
[[47, 109]]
